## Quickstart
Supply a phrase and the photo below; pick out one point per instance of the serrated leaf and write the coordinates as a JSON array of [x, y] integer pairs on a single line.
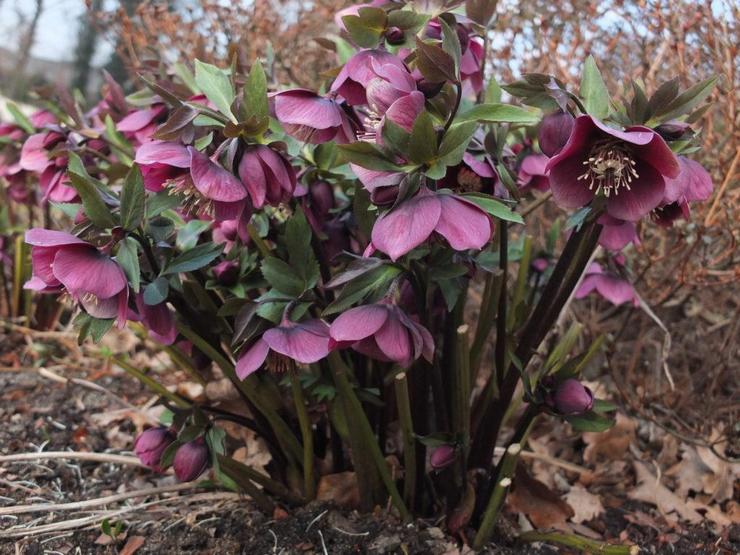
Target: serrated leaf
[[282, 277], [132, 200], [128, 258], [495, 208], [593, 90], [216, 85], [423, 142], [499, 113], [434, 63], [195, 258]]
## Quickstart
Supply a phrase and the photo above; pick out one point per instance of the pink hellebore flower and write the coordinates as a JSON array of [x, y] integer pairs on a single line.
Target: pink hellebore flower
[[303, 342], [191, 460], [384, 332], [692, 184], [554, 132], [613, 288], [151, 444], [462, 223], [617, 234], [628, 167], [140, 124], [311, 118], [162, 161], [158, 319], [267, 175], [442, 457], [217, 191], [352, 81], [571, 398], [61, 260], [35, 157], [533, 173]]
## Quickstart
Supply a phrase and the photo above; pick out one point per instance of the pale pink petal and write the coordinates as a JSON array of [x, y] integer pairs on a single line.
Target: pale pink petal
[[88, 271], [462, 223], [163, 152], [253, 359], [213, 181], [393, 340], [299, 342], [358, 323]]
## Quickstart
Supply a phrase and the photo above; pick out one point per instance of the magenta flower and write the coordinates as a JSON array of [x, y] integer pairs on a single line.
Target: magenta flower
[[613, 288], [161, 162], [63, 261], [473, 176], [141, 124], [533, 173], [384, 332], [151, 444], [353, 79], [311, 118], [442, 457], [628, 167], [226, 272], [571, 398], [617, 234], [403, 112], [304, 342], [382, 185], [267, 175], [471, 64], [408, 225], [217, 191], [554, 132], [390, 82], [693, 183], [191, 460], [158, 319]]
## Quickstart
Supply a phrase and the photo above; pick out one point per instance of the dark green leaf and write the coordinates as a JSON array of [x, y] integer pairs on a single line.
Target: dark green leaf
[[367, 26], [156, 292], [366, 155], [282, 277], [95, 209], [499, 113], [455, 141], [216, 85], [665, 94], [128, 258], [495, 208], [593, 90], [434, 63], [377, 279], [687, 101], [423, 143], [187, 236], [256, 109], [451, 44], [132, 200], [20, 118], [194, 259], [590, 422], [298, 240], [156, 204]]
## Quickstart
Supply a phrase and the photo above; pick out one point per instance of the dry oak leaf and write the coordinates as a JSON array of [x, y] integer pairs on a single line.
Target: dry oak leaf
[[612, 444], [340, 488], [543, 507], [650, 490], [586, 505]]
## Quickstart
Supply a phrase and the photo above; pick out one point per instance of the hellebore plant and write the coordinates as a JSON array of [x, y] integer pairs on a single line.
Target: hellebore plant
[[319, 249]]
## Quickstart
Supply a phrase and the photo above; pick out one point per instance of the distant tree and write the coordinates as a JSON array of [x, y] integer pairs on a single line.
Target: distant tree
[[24, 49], [116, 65], [87, 38]]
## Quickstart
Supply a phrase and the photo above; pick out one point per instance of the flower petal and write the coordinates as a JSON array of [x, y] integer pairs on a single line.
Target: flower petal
[[253, 359], [645, 193], [50, 238], [163, 152], [394, 341], [213, 181], [300, 342], [462, 223], [567, 190], [88, 271], [303, 107], [358, 323], [407, 226], [657, 153]]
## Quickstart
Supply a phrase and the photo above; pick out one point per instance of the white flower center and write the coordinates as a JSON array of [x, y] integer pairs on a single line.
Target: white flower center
[[610, 168]]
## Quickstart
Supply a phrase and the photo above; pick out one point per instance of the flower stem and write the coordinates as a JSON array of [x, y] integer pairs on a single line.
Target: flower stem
[[309, 480], [503, 262], [407, 431], [455, 108], [491, 292], [154, 385], [579, 543], [259, 242], [366, 441]]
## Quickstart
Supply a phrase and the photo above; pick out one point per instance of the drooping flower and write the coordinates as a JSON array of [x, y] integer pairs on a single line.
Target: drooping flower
[[384, 332], [267, 175], [62, 261], [161, 162], [692, 184], [613, 288], [352, 81], [617, 234], [36, 157], [218, 192], [628, 167], [140, 124], [554, 132], [158, 319], [408, 225], [191, 460], [311, 118], [151, 444], [571, 398], [302, 342], [533, 173]]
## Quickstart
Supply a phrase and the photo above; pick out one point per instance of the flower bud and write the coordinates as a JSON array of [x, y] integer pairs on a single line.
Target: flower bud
[[571, 398], [554, 132], [442, 457], [395, 36], [539, 265], [150, 445], [322, 198], [191, 460], [673, 130], [226, 272]]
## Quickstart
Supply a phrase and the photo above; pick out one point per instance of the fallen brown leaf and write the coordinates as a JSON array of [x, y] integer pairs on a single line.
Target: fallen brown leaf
[[539, 503], [650, 490], [132, 545], [340, 488], [612, 444], [585, 504]]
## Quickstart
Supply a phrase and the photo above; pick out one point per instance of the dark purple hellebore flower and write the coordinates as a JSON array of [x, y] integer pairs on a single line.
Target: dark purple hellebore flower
[[628, 167], [612, 287], [62, 261], [571, 398], [533, 173], [158, 319], [303, 342], [384, 332], [217, 192], [442, 457], [311, 118], [472, 176], [151, 444], [408, 225], [555, 130], [162, 161], [352, 81], [267, 175], [617, 234], [191, 460], [226, 272]]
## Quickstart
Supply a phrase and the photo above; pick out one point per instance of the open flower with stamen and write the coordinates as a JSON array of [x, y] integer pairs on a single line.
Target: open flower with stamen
[[628, 167], [281, 347], [162, 162], [212, 190], [311, 118], [63, 262], [384, 332]]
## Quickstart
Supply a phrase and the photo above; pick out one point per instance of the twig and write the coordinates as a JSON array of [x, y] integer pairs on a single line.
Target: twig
[[582, 544], [77, 455], [47, 373], [709, 220], [315, 520], [547, 459]]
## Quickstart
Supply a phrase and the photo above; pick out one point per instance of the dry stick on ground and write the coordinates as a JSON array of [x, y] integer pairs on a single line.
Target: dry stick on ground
[[77, 455]]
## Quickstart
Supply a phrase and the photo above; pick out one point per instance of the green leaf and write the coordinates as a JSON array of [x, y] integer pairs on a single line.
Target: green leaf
[[376, 279], [282, 277], [367, 26], [95, 209], [257, 111], [495, 208], [367, 155], [423, 141], [481, 11], [92, 327], [132, 200], [396, 138], [128, 258], [434, 63], [499, 113], [187, 236], [600, 406], [160, 202], [688, 100], [20, 118], [493, 92], [455, 141], [186, 76], [118, 142], [298, 241], [593, 90], [590, 422], [451, 45], [193, 259], [216, 85], [157, 291]]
